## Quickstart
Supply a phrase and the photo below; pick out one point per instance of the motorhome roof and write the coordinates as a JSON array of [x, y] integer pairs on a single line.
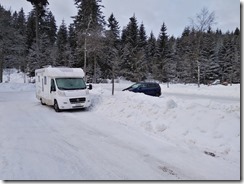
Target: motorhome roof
[[61, 72]]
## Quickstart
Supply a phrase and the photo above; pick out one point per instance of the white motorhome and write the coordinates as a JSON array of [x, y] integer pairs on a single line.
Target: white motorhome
[[62, 88]]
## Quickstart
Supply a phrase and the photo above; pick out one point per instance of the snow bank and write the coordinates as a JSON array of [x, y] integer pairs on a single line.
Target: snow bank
[[204, 90], [14, 76], [209, 122], [14, 80], [11, 87]]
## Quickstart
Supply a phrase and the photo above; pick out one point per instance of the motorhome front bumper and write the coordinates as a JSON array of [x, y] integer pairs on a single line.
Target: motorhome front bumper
[[74, 103]]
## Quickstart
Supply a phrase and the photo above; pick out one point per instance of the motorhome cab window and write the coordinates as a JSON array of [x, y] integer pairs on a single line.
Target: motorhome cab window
[[70, 83]]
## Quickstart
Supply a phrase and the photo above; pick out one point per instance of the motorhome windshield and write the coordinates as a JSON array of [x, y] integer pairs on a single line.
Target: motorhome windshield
[[70, 83]]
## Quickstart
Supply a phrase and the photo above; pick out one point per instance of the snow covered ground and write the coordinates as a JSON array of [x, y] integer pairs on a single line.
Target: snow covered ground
[[188, 133]]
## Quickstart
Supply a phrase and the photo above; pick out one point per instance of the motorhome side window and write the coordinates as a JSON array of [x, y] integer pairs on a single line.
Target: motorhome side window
[[45, 80]]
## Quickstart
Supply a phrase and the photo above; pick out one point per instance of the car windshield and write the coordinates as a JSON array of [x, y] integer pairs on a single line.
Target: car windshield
[[134, 86], [70, 83]]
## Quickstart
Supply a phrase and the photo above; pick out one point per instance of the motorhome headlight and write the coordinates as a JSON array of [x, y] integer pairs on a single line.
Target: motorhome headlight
[[61, 93]]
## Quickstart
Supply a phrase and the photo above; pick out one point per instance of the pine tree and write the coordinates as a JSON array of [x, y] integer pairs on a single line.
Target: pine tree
[[237, 57], [19, 23], [130, 49], [142, 59], [237, 32], [72, 44], [184, 54], [162, 40], [41, 52], [112, 50], [30, 30], [207, 56], [62, 46], [170, 60], [113, 32], [44, 57], [230, 59], [48, 27], [214, 65], [89, 24], [132, 32], [112, 43], [151, 53], [163, 48], [186, 32], [89, 10], [226, 59], [39, 7], [123, 36], [142, 40], [7, 40]]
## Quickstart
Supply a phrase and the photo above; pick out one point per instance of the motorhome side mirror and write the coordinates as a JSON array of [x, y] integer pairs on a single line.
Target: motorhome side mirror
[[90, 87]]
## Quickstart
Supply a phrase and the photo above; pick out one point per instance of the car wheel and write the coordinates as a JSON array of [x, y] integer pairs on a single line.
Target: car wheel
[[42, 102], [55, 106]]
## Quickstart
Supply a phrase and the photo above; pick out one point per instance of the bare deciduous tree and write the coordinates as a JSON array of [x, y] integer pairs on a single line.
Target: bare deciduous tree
[[202, 22]]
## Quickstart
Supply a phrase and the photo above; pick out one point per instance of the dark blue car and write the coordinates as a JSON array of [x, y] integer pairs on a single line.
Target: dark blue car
[[148, 88]]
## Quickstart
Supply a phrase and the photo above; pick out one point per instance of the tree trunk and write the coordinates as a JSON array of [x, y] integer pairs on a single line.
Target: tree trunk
[[85, 57], [1, 66], [37, 34], [112, 80], [95, 71], [198, 73], [197, 59]]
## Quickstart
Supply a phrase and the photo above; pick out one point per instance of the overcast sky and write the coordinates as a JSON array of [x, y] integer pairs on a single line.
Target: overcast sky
[[174, 13]]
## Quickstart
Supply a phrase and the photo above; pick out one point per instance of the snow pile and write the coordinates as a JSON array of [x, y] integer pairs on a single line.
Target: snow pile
[[209, 122], [13, 87], [13, 80], [14, 76]]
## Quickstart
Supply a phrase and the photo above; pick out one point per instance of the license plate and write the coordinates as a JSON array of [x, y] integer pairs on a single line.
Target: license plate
[[78, 105]]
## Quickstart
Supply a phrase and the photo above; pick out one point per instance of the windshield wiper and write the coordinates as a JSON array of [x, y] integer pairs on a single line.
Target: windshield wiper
[[78, 88], [63, 88], [71, 88]]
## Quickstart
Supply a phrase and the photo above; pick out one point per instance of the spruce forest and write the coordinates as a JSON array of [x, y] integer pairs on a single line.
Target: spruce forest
[[107, 51]]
